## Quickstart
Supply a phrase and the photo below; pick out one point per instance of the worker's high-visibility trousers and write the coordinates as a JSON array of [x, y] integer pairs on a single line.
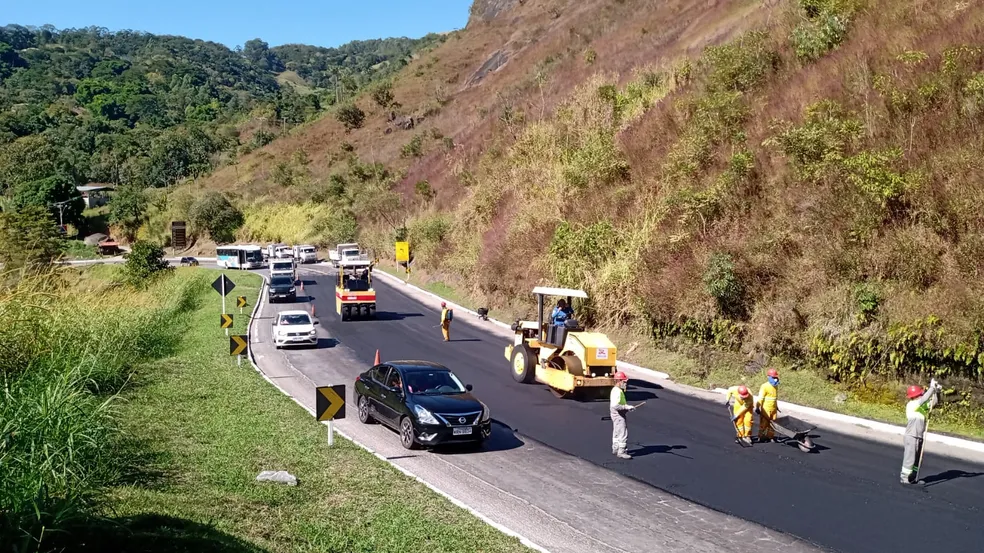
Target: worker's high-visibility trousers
[[620, 432], [766, 416], [743, 425], [446, 330], [910, 457]]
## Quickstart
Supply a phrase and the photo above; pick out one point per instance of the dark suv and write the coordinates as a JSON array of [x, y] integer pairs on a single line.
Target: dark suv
[[425, 402], [281, 288]]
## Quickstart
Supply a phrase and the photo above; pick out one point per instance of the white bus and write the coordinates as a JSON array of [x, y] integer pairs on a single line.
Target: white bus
[[239, 257]]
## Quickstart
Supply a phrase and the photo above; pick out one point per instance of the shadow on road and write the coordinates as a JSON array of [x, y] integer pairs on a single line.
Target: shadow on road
[[633, 383], [651, 449], [502, 439], [466, 340], [326, 343], [391, 316], [949, 475], [634, 395]]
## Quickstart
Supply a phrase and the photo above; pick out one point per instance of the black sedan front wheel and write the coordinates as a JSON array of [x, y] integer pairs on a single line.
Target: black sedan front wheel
[[406, 434], [364, 416]]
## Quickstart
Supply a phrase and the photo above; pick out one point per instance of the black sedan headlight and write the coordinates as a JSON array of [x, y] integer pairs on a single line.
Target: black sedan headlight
[[486, 413]]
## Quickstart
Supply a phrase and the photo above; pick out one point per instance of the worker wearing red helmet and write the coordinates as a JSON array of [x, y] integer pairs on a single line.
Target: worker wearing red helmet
[[445, 322], [916, 410], [618, 409], [767, 406], [742, 406]]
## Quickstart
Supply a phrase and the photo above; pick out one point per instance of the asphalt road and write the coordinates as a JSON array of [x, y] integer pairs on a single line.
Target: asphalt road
[[846, 497]]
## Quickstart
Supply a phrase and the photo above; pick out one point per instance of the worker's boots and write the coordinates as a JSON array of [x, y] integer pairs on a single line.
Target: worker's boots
[[621, 454]]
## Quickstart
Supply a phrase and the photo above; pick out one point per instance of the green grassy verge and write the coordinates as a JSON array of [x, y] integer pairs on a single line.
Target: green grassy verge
[[204, 428]]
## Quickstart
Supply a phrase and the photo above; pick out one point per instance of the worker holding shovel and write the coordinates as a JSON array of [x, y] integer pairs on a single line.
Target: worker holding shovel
[[742, 405], [916, 412]]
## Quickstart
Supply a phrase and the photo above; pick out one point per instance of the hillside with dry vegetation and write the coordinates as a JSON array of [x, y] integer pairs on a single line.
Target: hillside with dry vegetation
[[793, 182]]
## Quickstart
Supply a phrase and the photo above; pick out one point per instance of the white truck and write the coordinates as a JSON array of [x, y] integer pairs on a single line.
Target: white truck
[[284, 251], [271, 250], [335, 255], [305, 253], [283, 267]]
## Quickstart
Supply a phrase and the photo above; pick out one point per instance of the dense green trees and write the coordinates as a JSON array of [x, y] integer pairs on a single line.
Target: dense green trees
[[28, 238], [214, 214], [138, 110]]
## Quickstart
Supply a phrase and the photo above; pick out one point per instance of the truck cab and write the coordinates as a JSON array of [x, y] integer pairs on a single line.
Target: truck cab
[[283, 267]]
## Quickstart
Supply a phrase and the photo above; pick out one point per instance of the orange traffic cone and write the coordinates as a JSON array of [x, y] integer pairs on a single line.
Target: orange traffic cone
[[302, 286], [376, 362], [312, 309]]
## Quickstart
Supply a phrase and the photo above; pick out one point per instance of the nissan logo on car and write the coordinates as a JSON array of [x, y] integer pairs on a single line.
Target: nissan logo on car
[[461, 420]]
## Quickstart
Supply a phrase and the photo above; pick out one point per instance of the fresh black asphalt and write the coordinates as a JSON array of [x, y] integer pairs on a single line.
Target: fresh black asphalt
[[845, 497]]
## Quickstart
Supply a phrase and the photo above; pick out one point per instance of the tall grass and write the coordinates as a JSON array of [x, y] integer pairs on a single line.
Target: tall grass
[[65, 352], [306, 223]]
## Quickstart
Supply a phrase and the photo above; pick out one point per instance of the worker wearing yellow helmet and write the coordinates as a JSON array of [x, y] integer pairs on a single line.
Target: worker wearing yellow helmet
[[742, 405], [767, 406]]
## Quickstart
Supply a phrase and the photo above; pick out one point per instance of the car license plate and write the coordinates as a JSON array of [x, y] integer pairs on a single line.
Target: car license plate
[[462, 431]]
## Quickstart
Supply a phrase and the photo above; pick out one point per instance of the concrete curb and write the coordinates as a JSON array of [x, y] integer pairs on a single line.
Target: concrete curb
[[619, 364], [970, 445], [252, 361]]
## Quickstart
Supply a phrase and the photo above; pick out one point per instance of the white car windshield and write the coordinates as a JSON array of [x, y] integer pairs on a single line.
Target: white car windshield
[[433, 383], [295, 319]]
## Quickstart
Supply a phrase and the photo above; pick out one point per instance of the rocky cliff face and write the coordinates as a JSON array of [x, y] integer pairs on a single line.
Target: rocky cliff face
[[486, 10]]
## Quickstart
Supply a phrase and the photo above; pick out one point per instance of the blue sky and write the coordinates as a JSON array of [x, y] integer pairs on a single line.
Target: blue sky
[[322, 23]]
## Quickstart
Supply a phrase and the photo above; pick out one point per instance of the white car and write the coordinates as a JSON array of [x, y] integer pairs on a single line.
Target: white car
[[294, 328]]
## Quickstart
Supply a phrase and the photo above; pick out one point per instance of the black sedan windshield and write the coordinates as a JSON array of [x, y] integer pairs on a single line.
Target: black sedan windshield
[[281, 281], [433, 383]]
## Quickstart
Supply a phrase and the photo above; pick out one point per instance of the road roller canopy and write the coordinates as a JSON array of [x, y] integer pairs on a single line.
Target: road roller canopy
[[566, 292]]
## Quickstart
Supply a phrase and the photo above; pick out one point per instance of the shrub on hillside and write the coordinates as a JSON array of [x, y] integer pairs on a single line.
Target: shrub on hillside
[[414, 148], [144, 262], [382, 94], [350, 116], [214, 214], [722, 283]]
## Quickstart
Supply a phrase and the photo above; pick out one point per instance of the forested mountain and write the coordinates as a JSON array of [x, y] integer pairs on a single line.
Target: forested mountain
[[132, 108]]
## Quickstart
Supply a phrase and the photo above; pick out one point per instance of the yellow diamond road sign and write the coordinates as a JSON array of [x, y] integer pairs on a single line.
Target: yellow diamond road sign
[[330, 404], [241, 301], [225, 320], [402, 251], [237, 344]]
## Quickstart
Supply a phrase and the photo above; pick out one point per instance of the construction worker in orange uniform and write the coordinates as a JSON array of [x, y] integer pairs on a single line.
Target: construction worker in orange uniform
[[445, 322], [767, 406], [742, 406]]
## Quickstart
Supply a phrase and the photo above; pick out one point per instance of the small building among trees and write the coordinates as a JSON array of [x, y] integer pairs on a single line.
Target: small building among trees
[[94, 195]]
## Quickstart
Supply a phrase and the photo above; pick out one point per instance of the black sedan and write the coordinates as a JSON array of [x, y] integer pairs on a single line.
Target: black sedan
[[281, 288], [425, 402]]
